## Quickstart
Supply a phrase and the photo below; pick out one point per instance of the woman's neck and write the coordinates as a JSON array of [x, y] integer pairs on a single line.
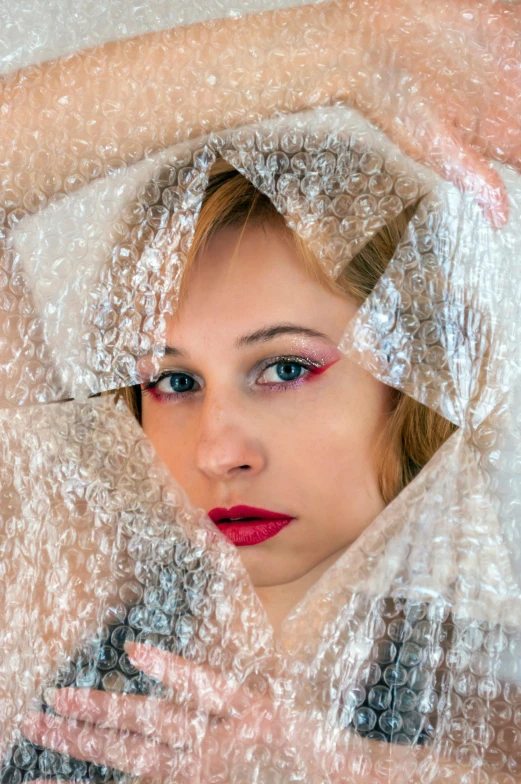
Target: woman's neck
[[279, 600]]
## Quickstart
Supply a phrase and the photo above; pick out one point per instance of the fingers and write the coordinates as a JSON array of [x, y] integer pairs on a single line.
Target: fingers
[[147, 716], [199, 693], [472, 173], [195, 684], [138, 734], [126, 752], [201, 689]]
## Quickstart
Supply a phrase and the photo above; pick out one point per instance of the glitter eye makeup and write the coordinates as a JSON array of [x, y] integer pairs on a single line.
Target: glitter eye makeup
[[163, 387], [174, 385], [313, 369]]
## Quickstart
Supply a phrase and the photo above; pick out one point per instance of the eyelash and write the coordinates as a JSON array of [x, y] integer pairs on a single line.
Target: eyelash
[[313, 368]]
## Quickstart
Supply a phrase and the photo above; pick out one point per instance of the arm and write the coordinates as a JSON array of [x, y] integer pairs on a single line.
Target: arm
[[71, 117], [64, 121]]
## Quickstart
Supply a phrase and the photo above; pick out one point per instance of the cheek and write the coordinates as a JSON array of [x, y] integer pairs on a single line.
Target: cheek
[[343, 434], [165, 433]]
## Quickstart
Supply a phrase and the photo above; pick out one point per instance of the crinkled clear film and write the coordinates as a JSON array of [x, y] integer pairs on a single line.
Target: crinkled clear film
[[400, 661]]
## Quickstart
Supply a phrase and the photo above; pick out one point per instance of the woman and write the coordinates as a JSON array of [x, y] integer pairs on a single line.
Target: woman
[[215, 417], [277, 602]]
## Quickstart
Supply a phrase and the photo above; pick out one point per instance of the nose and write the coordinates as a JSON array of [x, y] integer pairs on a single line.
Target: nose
[[228, 443]]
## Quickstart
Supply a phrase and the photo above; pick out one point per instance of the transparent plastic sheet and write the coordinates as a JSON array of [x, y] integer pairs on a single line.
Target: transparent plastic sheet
[[100, 318], [403, 662]]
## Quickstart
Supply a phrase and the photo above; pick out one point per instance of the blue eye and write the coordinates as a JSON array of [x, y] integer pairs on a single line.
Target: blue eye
[[284, 371], [279, 374], [175, 382]]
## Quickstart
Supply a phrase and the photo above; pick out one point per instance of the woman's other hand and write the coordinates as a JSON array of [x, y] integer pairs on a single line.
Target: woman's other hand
[[443, 81]]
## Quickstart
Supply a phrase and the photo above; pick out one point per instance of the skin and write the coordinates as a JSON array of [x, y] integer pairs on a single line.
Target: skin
[[245, 435], [441, 79], [136, 734]]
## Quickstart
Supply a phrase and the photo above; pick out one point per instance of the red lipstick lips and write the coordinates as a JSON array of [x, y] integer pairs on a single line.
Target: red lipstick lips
[[248, 525]]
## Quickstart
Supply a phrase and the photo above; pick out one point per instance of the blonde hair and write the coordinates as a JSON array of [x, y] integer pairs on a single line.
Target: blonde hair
[[413, 432]]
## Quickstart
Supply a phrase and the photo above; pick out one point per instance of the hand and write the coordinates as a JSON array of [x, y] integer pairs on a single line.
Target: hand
[[443, 80], [145, 736], [153, 738]]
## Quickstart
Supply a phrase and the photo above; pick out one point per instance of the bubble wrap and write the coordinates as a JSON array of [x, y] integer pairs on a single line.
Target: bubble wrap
[[402, 662]]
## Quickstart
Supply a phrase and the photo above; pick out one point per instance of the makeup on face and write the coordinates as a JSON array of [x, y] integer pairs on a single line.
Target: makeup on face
[[311, 355], [248, 525], [308, 354]]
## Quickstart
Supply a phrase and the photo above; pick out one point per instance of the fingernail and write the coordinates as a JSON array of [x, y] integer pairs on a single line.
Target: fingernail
[[495, 217], [500, 217], [127, 646], [49, 695]]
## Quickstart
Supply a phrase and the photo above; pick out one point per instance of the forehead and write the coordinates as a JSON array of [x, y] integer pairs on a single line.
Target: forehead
[[247, 278], [240, 255]]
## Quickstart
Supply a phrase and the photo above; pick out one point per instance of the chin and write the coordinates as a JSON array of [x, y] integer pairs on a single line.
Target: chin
[[266, 570]]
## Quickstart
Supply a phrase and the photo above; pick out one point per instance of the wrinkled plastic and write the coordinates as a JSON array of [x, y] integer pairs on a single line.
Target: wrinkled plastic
[[405, 657]]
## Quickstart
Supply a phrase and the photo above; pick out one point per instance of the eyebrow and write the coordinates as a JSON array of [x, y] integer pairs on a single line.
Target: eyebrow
[[262, 336]]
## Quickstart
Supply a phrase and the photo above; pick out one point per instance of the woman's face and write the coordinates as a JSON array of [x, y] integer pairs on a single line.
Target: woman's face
[[256, 410]]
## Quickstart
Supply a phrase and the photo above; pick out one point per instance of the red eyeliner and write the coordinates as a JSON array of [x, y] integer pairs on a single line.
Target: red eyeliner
[[318, 371], [160, 397], [311, 375], [313, 372]]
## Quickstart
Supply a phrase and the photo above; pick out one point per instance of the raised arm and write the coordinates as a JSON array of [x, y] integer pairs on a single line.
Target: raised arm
[[75, 116], [66, 121]]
